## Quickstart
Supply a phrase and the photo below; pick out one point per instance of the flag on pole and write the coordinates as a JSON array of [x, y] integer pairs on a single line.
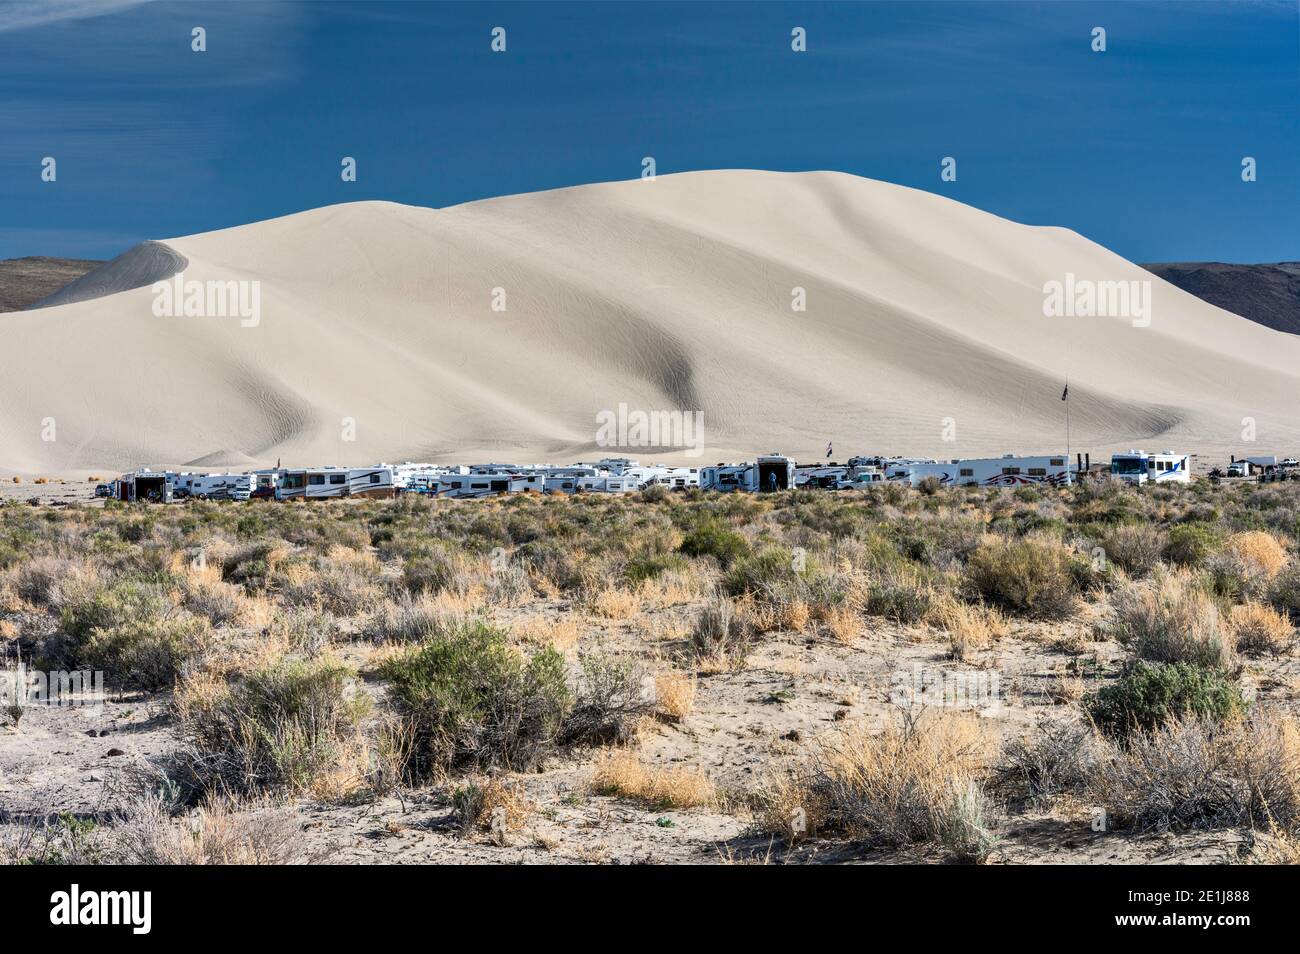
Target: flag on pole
[[828, 450], [1066, 393]]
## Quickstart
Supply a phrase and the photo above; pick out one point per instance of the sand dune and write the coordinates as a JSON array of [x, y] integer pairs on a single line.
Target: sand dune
[[377, 337]]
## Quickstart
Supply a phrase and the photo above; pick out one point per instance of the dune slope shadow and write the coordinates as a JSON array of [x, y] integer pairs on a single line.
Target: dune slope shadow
[[143, 265]]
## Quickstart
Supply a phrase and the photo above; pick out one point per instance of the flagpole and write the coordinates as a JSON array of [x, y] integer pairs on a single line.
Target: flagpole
[[1067, 423]]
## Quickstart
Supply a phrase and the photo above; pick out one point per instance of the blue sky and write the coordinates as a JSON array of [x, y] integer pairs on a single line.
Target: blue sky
[[1138, 148]]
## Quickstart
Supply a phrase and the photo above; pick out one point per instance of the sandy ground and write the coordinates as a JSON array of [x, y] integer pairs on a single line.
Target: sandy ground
[[500, 330], [792, 693]]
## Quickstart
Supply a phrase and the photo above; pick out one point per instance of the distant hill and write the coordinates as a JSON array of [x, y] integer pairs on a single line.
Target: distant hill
[[25, 281], [1268, 294]]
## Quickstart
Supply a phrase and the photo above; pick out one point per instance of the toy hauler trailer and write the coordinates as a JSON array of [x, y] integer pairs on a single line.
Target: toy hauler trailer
[[146, 485], [769, 473], [1139, 467], [1008, 471], [322, 483]]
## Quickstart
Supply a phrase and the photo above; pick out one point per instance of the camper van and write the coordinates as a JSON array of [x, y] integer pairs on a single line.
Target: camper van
[[1139, 467], [319, 483], [489, 485], [1006, 471]]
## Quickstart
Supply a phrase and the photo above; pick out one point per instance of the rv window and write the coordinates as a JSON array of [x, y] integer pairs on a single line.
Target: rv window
[[338, 479], [374, 478], [293, 481], [1011, 470], [316, 480], [478, 486], [1057, 461], [1037, 471], [967, 472]]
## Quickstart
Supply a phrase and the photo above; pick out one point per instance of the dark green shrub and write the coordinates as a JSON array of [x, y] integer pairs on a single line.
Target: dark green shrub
[[471, 699], [712, 538], [1034, 575], [1190, 544], [1149, 694], [647, 568]]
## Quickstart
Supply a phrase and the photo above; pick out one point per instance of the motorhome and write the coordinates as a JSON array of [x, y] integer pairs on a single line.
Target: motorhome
[[489, 485], [1139, 467], [772, 472], [317, 483], [1006, 471]]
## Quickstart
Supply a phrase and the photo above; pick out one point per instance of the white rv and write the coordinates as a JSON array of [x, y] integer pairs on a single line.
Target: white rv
[[607, 485], [674, 478], [489, 485], [1006, 471], [319, 483], [216, 486], [1139, 467], [827, 476]]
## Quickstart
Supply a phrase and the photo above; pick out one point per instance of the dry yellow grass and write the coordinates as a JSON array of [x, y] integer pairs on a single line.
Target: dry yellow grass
[[843, 623], [1260, 553], [969, 628], [623, 773], [493, 805], [561, 632], [674, 694], [614, 603], [1260, 629]]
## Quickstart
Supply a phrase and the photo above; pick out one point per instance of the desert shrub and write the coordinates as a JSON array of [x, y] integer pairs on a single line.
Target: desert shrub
[[472, 699], [131, 631], [509, 585], [342, 582], [1247, 564], [900, 593], [969, 628], [1148, 695], [722, 635], [929, 486], [1034, 575], [560, 564], [622, 773], [251, 563], [1191, 544], [1053, 760], [412, 619], [608, 702], [1170, 619], [715, 539], [433, 570], [649, 568], [906, 784], [1257, 629], [220, 832], [1284, 592], [491, 805], [1199, 774], [674, 695], [40, 580], [284, 726], [1135, 547], [763, 570]]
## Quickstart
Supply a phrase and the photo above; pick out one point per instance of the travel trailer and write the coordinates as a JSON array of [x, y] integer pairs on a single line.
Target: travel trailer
[[1139, 467], [607, 485], [1006, 471], [674, 478], [318, 483], [826, 477], [215, 486], [773, 472], [489, 485]]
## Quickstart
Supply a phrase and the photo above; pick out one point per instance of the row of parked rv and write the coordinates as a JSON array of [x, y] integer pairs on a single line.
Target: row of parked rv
[[621, 475]]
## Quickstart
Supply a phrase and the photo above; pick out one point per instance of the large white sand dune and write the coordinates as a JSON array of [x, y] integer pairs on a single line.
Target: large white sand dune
[[670, 294]]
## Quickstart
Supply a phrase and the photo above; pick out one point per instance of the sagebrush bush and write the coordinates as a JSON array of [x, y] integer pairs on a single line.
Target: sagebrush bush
[[722, 634], [1171, 619], [1135, 547], [1034, 575], [1191, 544], [712, 538], [283, 727], [1147, 695], [471, 699]]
